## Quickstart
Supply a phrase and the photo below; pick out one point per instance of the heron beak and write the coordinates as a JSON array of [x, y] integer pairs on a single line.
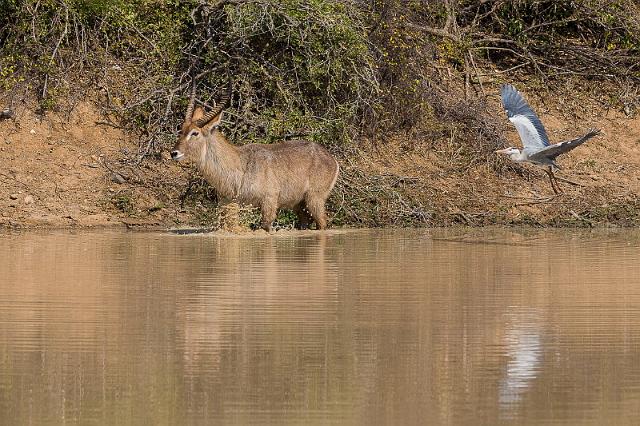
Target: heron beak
[[502, 151]]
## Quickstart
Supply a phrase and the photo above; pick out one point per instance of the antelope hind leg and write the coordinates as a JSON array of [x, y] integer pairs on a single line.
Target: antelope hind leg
[[316, 209], [269, 213]]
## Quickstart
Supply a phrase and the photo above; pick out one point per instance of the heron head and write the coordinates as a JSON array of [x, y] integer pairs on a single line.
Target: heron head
[[508, 151]]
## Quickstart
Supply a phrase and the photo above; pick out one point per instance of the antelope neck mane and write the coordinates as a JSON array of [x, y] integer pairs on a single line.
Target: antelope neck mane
[[221, 164]]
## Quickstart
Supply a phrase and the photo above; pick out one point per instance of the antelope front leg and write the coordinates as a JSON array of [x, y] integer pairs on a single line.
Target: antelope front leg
[[316, 209], [269, 212]]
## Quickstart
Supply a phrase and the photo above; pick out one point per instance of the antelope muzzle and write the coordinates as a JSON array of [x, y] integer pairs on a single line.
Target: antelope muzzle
[[177, 155]]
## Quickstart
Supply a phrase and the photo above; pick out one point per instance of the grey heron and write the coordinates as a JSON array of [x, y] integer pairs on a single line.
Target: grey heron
[[536, 148]]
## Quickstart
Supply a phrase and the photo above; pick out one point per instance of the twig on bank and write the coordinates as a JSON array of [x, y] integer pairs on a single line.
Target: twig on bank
[[108, 123], [547, 200], [580, 218], [569, 181], [516, 197]]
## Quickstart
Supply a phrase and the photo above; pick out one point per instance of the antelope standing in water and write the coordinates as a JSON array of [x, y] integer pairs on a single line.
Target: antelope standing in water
[[297, 175]]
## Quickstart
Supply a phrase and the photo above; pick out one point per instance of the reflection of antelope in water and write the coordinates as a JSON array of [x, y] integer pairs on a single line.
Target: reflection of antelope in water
[[264, 292], [297, 175]]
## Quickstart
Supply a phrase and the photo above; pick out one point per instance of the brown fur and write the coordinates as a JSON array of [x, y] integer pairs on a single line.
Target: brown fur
[[297, 175]]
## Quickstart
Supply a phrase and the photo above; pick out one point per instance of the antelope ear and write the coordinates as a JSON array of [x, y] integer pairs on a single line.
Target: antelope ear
[[198, 113], [215, 121]]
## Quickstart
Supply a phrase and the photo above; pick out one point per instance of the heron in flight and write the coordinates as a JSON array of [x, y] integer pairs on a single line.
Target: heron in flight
[[536, 148]]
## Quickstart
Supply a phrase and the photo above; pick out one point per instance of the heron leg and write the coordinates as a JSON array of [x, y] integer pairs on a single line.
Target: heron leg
[[555, 181], [552, 180]]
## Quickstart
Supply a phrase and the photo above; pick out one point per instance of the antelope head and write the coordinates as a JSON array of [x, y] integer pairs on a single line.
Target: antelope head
[[197, 126]]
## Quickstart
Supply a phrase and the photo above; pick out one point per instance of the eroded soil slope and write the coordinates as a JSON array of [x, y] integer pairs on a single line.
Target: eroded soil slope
[[61, 171]]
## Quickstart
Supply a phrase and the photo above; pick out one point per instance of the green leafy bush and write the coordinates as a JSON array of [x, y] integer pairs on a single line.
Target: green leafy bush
[[299, 68]]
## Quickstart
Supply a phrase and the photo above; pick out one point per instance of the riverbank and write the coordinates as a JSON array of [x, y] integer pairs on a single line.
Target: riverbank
[[405, 95], [75, 170]]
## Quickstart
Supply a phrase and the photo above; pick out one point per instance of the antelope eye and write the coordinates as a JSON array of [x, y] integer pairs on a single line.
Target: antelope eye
[[195, 133]]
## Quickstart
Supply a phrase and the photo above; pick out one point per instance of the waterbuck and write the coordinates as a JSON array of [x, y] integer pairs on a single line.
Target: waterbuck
[[297, 175]]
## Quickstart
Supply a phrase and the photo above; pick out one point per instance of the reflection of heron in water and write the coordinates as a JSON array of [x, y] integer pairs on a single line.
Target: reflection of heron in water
[[524, 348]]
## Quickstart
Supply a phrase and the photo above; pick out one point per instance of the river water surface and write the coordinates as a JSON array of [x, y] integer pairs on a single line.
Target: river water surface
[[400, 327]]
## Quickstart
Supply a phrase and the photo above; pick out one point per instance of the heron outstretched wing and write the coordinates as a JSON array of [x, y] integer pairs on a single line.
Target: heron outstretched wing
[[529, 126], [552, 151]]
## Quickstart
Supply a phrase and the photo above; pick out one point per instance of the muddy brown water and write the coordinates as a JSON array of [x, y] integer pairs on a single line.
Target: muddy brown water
[[396, 327]]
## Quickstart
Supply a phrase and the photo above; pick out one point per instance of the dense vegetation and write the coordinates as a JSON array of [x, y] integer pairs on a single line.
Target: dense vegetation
[[330, 70]]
